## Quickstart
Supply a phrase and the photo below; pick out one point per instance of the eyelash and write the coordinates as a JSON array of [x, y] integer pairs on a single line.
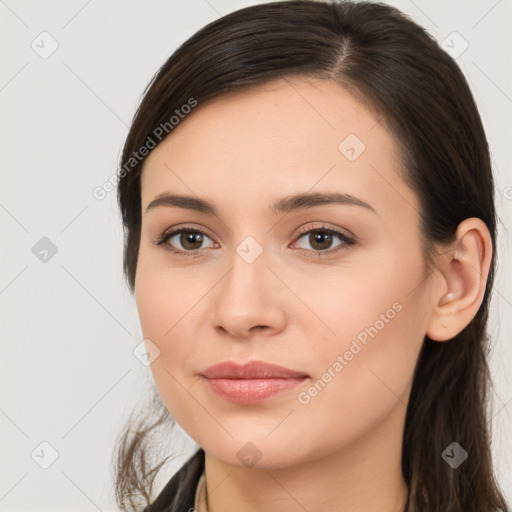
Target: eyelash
[[347, 241]]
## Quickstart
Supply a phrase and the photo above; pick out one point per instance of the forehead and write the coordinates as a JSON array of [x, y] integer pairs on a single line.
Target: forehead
[[285, 136], [306, 108]]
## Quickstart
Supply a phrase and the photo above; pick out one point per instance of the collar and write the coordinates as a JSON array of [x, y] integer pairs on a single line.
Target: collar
[[200, 500]]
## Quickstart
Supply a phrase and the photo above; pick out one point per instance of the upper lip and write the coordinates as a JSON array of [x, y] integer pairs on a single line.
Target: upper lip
[[251, 370]]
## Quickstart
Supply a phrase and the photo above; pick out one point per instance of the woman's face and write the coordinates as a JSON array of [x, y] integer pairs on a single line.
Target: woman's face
[[262, 284]]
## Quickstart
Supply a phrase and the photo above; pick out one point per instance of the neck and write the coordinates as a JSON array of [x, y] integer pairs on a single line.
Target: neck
[[363, 476]]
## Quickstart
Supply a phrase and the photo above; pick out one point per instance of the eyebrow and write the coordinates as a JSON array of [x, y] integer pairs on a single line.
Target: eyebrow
[[286, 205]]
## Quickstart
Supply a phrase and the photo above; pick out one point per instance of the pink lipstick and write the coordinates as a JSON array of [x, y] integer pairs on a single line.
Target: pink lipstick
[[251, 383]]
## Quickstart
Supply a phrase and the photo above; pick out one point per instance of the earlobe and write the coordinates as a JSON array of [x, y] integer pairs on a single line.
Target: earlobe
[[463, 277]]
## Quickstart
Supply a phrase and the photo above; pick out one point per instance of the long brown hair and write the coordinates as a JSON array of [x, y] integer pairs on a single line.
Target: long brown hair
[[393, 65]]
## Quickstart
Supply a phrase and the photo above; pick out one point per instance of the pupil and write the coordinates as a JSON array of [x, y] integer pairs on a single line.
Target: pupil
[[191, 238], [318, 236]]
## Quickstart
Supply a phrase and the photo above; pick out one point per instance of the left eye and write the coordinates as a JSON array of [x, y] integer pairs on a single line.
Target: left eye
[[321, 239]]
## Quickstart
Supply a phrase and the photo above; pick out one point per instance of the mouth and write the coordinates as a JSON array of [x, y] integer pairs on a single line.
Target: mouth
[[251, 383]]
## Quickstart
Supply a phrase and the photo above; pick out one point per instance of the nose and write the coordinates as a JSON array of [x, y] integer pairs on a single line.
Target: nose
[[249, 300]]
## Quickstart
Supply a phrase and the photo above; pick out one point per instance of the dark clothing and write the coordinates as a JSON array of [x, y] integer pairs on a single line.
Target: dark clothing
[[179, 493]]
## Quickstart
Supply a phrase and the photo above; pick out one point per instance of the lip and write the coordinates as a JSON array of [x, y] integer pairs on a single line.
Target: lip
[[250, 370], [251, 383]]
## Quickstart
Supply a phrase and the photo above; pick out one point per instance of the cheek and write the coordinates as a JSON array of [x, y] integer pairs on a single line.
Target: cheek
[[358, 384], [161, 296], [364, 368], [165, 306]]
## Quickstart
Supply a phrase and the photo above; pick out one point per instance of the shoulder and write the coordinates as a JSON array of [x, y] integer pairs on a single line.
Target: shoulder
[[179, 493]]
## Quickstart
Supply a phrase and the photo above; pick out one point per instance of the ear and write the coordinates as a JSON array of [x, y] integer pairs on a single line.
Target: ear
[[463, 273]]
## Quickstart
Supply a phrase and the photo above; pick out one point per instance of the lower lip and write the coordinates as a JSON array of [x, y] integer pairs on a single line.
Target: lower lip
[[251, 391]]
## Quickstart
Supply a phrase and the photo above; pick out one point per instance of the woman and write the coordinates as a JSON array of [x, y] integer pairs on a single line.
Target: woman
[[308, 205]]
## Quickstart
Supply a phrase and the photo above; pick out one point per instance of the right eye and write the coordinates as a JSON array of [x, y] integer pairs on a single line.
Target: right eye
[[188, 237]]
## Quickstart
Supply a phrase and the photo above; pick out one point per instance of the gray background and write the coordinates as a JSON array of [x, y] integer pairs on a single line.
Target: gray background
[[68, 324]]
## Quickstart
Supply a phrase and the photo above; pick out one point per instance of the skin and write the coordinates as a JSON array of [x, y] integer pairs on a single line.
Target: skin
[[243, 151]]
